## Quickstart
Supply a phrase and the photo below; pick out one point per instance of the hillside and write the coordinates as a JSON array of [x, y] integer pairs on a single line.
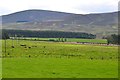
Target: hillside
[[100, 24]]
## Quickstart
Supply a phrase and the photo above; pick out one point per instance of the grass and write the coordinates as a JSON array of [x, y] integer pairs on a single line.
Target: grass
[[104, 41], [59, 60], [88, 40], [0, 67], [58, 68]]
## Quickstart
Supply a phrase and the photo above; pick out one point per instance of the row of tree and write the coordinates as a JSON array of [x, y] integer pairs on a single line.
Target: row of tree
[[6, 34], [48, 34]]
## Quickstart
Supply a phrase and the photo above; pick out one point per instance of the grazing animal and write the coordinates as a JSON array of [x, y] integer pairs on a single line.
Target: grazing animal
[[29, 56], [29, 47], [91, 58], [12, 46], [22, 45]]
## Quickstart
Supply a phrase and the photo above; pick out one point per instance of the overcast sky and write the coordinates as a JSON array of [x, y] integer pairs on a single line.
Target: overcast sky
[[71, 6]]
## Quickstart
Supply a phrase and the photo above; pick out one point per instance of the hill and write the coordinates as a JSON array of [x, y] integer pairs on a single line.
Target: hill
[[100, 24]]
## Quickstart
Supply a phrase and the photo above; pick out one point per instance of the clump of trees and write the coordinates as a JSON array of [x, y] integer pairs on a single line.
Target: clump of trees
[[58, 40], [62, 39], [113, 39]]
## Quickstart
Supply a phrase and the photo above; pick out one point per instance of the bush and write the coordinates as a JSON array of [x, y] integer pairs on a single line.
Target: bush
[[51, 40], [113, 39]]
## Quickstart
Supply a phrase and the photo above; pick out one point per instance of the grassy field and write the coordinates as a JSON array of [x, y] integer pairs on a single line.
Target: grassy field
[[35, 59], [72, 40], [88, 40], [58, 68]]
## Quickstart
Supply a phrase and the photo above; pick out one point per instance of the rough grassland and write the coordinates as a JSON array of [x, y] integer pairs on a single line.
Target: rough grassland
[[59, 60]]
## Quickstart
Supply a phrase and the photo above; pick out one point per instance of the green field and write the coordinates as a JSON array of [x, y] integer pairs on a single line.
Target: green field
[[88, 40], [38, 59], [70, 40]]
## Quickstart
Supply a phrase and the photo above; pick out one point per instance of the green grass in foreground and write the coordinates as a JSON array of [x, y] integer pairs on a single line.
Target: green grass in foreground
[[58, 68], [59, 60], [0, 68]]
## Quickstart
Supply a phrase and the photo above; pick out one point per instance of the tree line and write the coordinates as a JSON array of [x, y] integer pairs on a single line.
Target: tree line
[[6, 34], [46, 34]]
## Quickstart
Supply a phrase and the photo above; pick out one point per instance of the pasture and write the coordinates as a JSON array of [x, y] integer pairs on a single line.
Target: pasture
[[36, 59], [103, 41]]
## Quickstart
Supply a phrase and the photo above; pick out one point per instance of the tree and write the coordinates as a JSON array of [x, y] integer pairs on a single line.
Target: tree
[[113, 39], [5, 36], [50, 34], [65, 39]]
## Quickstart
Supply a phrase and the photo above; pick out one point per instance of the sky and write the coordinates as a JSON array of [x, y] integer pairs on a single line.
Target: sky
[[70, 6]]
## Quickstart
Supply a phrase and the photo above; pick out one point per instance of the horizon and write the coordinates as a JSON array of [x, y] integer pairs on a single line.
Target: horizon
[[68, 6], [58, 11]]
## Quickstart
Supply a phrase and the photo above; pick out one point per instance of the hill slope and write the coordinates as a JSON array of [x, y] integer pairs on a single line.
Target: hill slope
[[100, 24]]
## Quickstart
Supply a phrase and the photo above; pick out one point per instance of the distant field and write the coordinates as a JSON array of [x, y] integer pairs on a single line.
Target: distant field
[[88, 40], [104, 41], [58, 60]]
